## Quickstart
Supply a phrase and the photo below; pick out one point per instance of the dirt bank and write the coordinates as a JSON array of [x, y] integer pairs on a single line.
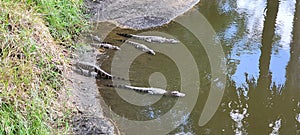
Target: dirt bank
[[85, 96]]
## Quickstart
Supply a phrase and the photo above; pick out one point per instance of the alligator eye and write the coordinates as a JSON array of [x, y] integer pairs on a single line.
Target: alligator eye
[[174, 92]]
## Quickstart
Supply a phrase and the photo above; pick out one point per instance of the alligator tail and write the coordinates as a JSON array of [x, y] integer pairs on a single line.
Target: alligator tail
[[111, 85], [119, 78], [116, 86], [104, 75], [120, 40], [105, 45], [124, 35]]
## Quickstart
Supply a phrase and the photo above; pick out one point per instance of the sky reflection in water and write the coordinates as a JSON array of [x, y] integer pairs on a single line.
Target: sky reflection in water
[[253, 11]]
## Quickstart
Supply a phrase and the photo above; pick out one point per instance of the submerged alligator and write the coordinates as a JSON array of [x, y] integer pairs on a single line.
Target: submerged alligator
[[105, 45], [102, 44], [91, 70], [151, 90], [150, 39], [139, 46]]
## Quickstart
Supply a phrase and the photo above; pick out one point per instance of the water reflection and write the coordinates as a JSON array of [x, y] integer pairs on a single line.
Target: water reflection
[[259, 40], [252, 12], [281, 50], [250, 16]]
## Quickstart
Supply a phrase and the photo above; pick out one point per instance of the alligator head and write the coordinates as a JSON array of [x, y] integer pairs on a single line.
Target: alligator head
[[177, 94], [151, 52]]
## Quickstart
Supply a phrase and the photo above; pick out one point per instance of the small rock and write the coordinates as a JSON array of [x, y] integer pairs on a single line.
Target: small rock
[[90, 125]]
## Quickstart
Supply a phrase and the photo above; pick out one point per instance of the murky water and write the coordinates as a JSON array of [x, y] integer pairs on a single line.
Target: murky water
[[261, 42]]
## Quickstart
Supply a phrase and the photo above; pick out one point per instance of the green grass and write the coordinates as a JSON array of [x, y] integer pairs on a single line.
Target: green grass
[[65, 18], [15, 122], [30, 63]]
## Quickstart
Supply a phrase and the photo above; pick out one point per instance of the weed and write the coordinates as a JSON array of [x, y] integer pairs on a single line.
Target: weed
[[65, 18], [31, 63]]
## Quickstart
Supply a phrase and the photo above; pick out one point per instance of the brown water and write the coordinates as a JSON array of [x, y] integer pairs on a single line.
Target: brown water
[[261, 42]]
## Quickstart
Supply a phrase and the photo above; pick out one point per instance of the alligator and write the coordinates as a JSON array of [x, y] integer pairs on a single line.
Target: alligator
[[91, 70], [95, 38], [150, 39], [85, 72], [139, 46], [150, 90], [105, 45]]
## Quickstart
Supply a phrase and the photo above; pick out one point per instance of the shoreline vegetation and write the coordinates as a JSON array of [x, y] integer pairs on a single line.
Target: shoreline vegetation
[[36, 37]]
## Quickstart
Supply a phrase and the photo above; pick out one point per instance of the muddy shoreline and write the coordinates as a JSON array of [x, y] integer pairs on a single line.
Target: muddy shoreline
[[89, 117]]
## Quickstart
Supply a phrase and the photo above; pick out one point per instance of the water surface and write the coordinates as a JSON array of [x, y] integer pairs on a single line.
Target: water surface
[[260, 39]]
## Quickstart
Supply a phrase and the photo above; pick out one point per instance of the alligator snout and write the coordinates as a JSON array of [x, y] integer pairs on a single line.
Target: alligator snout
[[177, 94]]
